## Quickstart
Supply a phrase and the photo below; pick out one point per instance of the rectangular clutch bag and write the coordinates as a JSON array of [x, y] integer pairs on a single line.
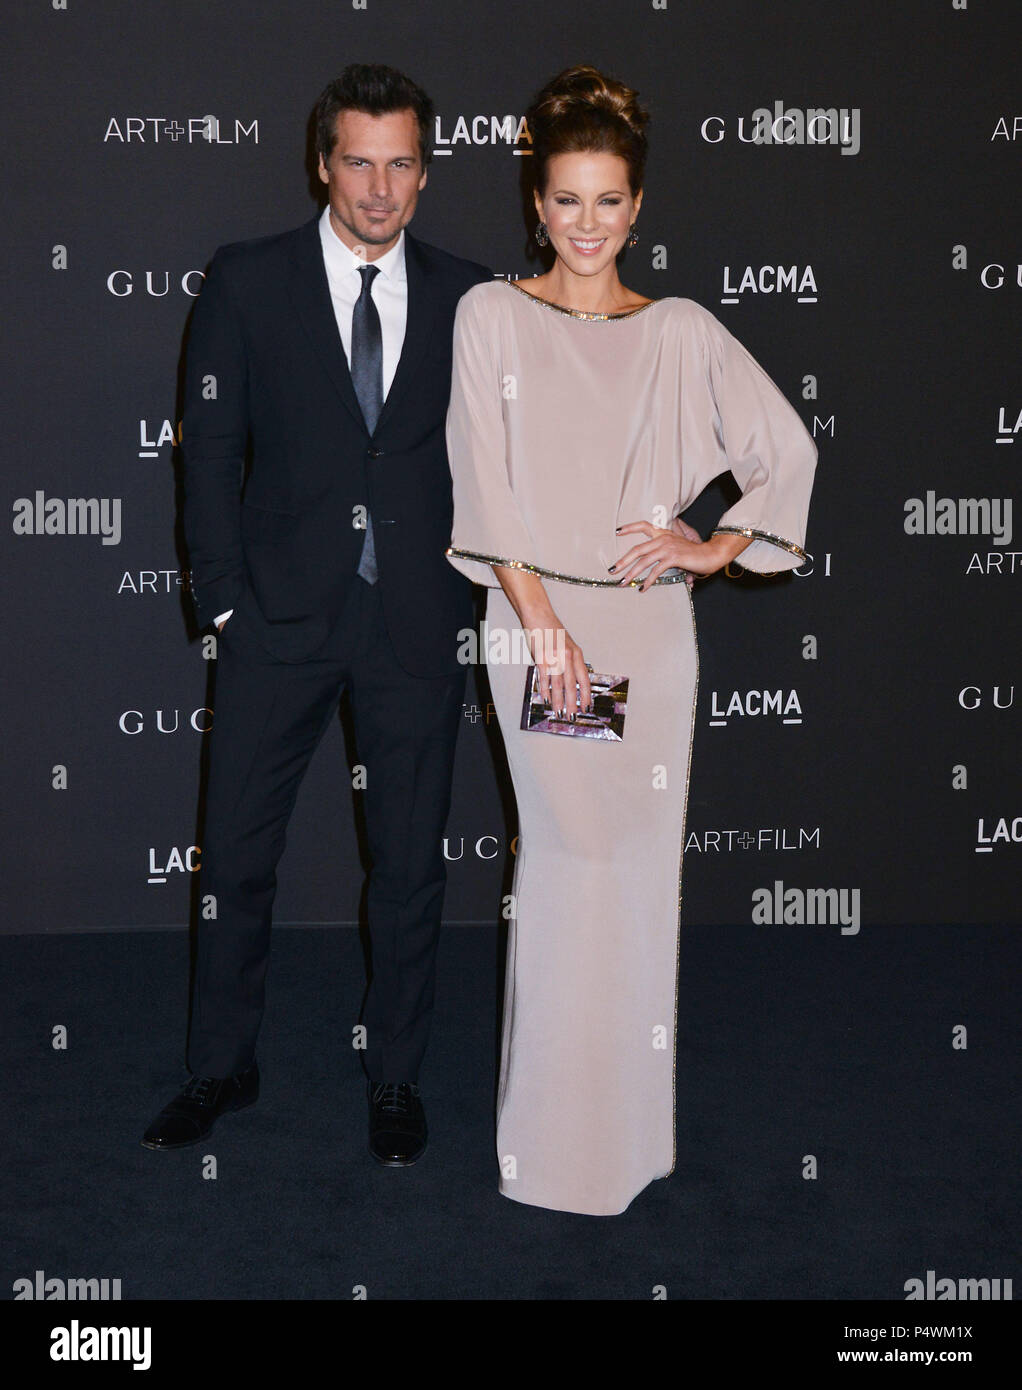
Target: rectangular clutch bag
[[607, 721]]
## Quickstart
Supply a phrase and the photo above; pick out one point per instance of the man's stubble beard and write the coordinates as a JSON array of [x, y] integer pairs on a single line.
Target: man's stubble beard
[[369, 238]]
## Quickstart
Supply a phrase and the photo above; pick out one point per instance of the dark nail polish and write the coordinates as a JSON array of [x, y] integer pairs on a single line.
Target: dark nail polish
[[612, 569]]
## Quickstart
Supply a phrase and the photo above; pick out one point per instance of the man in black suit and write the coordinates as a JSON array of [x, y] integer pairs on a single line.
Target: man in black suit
[[324, 355]]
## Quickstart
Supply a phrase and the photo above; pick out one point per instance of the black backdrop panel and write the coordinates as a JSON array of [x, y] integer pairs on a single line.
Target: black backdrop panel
[[901, 780]]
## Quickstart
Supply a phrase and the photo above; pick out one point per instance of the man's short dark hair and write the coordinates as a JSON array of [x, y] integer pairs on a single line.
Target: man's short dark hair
[[375, 89]]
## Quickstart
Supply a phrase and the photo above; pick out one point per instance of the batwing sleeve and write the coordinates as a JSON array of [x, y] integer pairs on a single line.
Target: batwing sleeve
[[760, 437], [488, 527]]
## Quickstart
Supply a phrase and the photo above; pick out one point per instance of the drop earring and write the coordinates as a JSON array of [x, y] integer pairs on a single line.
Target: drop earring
[[542, 235]]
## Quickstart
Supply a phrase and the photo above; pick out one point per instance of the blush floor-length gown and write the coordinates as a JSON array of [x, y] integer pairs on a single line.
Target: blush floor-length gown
[[563, 426]]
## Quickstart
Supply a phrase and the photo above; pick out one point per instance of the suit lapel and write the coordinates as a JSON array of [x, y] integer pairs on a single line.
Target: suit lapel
[[310, 291], [418, 327]]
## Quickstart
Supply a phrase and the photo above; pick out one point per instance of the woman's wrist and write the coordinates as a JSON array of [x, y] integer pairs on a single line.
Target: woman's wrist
[[724, 548]]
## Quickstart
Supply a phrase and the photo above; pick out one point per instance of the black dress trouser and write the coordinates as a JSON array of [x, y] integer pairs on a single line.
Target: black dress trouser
[[269, 717]]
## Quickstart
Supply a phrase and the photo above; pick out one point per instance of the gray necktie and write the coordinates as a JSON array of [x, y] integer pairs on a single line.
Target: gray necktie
[[367, 379]]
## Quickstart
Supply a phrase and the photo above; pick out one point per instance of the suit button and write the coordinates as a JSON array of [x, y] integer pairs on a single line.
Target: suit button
[[374, 453]]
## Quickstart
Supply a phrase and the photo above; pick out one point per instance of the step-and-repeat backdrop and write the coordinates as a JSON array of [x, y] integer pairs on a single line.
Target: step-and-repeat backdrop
[[837, 183]]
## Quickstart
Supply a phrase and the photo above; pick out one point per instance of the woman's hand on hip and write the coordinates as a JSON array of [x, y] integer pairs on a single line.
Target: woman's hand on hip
[[677, 546]]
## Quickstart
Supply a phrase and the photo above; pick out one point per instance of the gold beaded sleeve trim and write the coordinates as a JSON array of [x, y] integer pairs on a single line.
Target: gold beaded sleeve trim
[[675, 577], [756, 535]]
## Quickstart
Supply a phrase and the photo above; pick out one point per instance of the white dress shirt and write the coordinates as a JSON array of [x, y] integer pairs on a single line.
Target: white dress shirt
[[389, 291]]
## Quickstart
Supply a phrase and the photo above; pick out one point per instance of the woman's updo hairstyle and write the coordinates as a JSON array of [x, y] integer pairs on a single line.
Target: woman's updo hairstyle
[[582, 110]]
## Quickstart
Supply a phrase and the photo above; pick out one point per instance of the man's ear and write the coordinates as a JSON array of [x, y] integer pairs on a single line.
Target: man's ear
[[323, 175], [422, 181]]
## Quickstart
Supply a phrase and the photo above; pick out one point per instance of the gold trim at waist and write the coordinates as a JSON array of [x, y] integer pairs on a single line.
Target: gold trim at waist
[[675, 577]]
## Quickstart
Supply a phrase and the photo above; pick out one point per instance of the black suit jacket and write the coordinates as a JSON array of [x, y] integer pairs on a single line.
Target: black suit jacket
[[267, 379]]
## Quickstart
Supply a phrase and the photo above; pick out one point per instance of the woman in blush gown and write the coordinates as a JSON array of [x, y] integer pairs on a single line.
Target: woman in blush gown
[[584, 419]]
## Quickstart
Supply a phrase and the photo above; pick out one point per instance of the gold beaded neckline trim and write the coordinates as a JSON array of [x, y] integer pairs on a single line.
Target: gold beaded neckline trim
[[587, 315]]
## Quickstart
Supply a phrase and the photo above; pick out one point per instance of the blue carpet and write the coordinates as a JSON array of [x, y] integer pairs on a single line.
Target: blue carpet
[[791, 1043]]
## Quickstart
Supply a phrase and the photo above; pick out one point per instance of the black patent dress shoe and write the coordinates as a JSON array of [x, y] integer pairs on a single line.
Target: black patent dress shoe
[[397, 1123], [190, 1116]]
